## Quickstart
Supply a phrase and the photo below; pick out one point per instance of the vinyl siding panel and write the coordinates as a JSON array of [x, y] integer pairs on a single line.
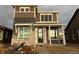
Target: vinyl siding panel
[[17, 8], [38, 17], [24, 15]]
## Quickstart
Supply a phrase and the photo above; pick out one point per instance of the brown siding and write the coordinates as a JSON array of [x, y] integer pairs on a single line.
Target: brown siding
[[18, 7], [24, 15], [38, 17], [32, 8], [54, 17]]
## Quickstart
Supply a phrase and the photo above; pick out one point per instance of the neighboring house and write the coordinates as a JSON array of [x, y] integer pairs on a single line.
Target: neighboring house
[[5, 35], [37, 27], [5, 29], [72, 29]]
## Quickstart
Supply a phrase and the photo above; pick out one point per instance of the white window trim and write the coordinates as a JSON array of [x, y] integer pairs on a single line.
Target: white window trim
[[24, 9], [46, 14], [57, 18]]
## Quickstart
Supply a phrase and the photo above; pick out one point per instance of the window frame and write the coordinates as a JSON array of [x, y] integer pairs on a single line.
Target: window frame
[[47, 17], [23, 33], [25, 9]]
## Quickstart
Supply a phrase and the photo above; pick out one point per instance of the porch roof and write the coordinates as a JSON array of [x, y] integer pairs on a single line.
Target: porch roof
[[54, 25], [50, 24]]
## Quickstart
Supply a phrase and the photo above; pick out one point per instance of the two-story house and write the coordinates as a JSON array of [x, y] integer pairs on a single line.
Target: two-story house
[[37, 27]]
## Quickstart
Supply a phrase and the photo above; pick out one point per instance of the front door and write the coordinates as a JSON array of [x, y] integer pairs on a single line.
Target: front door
[[40, 36]]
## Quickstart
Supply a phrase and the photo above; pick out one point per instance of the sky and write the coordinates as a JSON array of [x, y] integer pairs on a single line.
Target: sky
[[6, 16], [65, 13]]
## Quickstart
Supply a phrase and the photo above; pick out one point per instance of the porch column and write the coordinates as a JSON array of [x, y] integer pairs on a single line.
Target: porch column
[[49, 36], [36, 38], [45, 38], [64, 41]]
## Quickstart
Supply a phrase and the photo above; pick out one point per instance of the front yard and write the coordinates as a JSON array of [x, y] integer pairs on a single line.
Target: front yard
[[41, 49], [69, 49]]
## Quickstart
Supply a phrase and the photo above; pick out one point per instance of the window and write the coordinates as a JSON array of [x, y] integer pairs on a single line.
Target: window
[[53, 33], [54, 17], [46, 17], [23, 32], [40, 35], [42, 17], [24, 9], [50, 17]]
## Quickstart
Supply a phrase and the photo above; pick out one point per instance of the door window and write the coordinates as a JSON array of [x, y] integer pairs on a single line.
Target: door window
[[53, 33], [40, 35]]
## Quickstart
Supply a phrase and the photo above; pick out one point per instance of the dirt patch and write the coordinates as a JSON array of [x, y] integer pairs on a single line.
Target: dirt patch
[[62, 50]]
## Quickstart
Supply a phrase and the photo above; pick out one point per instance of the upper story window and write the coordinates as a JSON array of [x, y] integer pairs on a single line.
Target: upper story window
[[24, 9], [47, 17], [54, 17]]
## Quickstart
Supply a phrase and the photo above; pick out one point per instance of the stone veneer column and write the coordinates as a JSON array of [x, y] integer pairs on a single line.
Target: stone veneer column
[[36, 32]]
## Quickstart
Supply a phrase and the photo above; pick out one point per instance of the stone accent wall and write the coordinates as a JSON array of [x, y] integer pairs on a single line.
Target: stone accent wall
[[30, 41]]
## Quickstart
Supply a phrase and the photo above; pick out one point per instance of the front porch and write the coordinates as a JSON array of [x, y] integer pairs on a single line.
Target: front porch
[[40, 34], [50, 34]]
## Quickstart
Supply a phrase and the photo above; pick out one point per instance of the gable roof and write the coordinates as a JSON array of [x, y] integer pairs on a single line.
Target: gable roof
[[24, 20], [77, 10]]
